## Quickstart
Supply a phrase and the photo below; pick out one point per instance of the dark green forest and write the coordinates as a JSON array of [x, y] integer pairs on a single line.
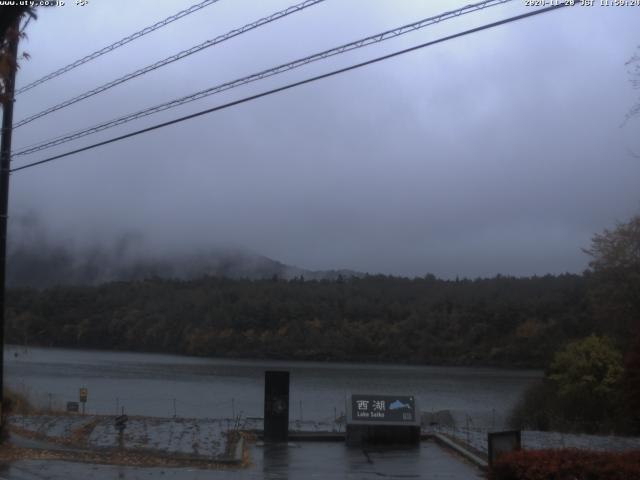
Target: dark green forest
[[498, 321]]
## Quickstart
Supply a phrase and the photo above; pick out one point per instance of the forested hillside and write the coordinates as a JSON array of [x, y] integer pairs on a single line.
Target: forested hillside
[[499, 321]]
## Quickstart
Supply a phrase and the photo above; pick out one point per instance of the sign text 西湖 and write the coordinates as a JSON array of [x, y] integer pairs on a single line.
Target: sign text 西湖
[[383, 408]]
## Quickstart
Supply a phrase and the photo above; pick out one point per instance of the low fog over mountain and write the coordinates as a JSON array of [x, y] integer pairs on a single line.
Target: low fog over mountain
[[36, 259], [486, 154]]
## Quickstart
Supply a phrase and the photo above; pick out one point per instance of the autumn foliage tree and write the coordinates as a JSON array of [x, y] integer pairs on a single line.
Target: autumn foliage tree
[[631, 384], [634, 77], [615, 279], [580, 391], [587, 375], [9, 16], [615, 296], [593, 384]]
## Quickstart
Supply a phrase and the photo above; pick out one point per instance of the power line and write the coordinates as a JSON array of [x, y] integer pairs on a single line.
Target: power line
[[119, 43], [292, 85], [379, 37], [173, 58]]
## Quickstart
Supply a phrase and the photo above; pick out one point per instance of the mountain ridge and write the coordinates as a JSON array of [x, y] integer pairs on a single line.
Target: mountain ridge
[[53, 265]]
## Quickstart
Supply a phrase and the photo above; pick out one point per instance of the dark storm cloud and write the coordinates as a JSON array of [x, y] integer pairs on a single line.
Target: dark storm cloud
[[500, 152]]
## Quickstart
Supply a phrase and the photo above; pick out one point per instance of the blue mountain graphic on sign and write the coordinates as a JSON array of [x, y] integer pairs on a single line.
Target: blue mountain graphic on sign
[[398, 405]]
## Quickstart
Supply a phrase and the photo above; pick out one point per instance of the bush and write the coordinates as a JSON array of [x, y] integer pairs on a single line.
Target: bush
[[581, 392], [16, 403], [566, 464], [631, 386], [589, 368], [534, 410]]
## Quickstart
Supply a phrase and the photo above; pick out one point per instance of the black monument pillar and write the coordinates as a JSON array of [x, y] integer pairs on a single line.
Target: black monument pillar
[[276, 406]]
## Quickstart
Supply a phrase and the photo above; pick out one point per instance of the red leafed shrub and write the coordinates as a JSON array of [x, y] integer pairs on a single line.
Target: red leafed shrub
[[567, 464]]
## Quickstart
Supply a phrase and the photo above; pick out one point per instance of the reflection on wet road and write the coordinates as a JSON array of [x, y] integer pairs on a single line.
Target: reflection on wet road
[[278, 462]]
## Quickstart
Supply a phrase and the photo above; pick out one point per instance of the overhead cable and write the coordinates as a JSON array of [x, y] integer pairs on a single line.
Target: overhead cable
[[292, 85], [173, 58], [377, 38], [119, 43]]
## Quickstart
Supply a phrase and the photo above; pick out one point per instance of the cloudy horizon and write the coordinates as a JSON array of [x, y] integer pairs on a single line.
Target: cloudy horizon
[[499, 152]]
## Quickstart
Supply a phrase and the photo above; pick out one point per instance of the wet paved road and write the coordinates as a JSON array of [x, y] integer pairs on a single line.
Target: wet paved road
[[292, 462]]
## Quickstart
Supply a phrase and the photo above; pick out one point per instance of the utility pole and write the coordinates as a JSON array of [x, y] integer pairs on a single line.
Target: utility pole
[[5, 166]]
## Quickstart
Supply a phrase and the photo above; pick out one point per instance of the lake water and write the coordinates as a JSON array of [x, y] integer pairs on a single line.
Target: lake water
[[164, 385]]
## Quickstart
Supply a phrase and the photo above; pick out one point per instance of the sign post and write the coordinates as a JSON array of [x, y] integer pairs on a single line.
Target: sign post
[[121, 424], [84, 392]]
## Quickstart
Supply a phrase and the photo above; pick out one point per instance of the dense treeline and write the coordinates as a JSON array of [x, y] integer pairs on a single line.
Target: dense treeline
[[498, 321], [593, 384]]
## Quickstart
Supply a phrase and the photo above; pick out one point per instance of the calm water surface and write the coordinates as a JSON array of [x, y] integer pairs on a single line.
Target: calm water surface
[[164, 385]]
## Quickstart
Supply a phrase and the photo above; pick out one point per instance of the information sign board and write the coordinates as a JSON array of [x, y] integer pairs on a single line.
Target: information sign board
[[383, 408]]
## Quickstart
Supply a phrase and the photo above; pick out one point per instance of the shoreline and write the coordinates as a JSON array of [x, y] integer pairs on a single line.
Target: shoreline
[[536, 371]]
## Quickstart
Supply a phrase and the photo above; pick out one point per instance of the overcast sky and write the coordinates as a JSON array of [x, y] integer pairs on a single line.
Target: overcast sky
[[499, 152]]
